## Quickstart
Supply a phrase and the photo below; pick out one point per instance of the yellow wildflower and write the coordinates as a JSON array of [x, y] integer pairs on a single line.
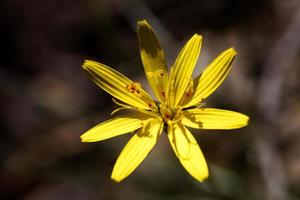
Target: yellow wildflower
[[180, 104]]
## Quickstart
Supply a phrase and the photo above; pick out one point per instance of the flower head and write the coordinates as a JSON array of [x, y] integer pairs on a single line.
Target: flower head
[[180, 104]]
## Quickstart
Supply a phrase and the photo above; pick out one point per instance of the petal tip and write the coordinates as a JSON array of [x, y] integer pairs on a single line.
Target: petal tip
[[247, 119], [86, 64], [142, 22], [115, 177], [233, 51], [203, 176], [83, 138], [86, 137], [197, 36]]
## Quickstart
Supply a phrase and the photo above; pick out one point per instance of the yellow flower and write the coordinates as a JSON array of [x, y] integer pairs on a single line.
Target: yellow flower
[[180, 104]]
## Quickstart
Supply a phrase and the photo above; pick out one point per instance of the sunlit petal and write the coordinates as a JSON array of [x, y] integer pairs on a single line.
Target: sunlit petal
[[114, 127], [136, 150], [118, 85], [153, 60], [182, 70], [210, 118], [188, 151], [213, 76]]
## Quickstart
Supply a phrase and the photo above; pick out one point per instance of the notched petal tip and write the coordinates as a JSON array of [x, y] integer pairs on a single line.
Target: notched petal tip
[[83, 138], [142, 22], [198, 37], [244, 119], [86, 64], [86, 137], [116, 179], [247, 120], [202, 179], [202, 176], [232, 51]]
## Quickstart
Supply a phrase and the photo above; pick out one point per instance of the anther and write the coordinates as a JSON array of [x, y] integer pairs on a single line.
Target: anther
[[150, 74], [189, 93], [134, 88], [159, 73], [190, 89]]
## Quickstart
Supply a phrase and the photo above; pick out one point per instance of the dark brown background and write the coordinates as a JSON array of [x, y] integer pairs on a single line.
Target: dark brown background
[[47, 101]]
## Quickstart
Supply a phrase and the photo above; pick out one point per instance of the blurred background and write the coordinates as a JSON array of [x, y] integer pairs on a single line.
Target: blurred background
[[48, 101]]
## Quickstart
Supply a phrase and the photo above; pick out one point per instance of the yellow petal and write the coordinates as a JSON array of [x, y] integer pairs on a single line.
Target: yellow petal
[[210, 118], [213, 76], [153, 60], [182, 70], [188, 151], [119, 85], [114, 127], [136, 150]]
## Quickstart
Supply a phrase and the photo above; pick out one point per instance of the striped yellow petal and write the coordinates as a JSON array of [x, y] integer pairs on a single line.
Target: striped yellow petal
[[182, 70], [210, 118], [188, 151], [114, 127], [119, 85], [153, 59], [136, 150], [212, 77]]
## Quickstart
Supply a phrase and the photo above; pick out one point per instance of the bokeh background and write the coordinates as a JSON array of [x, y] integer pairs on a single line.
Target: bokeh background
[[47, 100]]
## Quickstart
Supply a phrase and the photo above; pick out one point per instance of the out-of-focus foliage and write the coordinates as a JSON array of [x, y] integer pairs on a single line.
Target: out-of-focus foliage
[[47, 101]]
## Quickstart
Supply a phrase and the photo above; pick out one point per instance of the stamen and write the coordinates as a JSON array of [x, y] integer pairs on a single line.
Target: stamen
[[201, 104], [150, 74], [157, 77], [150, 106], [190, 88], [159, 73], [188, 92], [117, 110], [128, 107], [134, 88], [121, 104], [170, 116]]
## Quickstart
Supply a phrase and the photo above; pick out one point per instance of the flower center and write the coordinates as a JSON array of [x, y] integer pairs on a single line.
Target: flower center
[[170, 115]]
